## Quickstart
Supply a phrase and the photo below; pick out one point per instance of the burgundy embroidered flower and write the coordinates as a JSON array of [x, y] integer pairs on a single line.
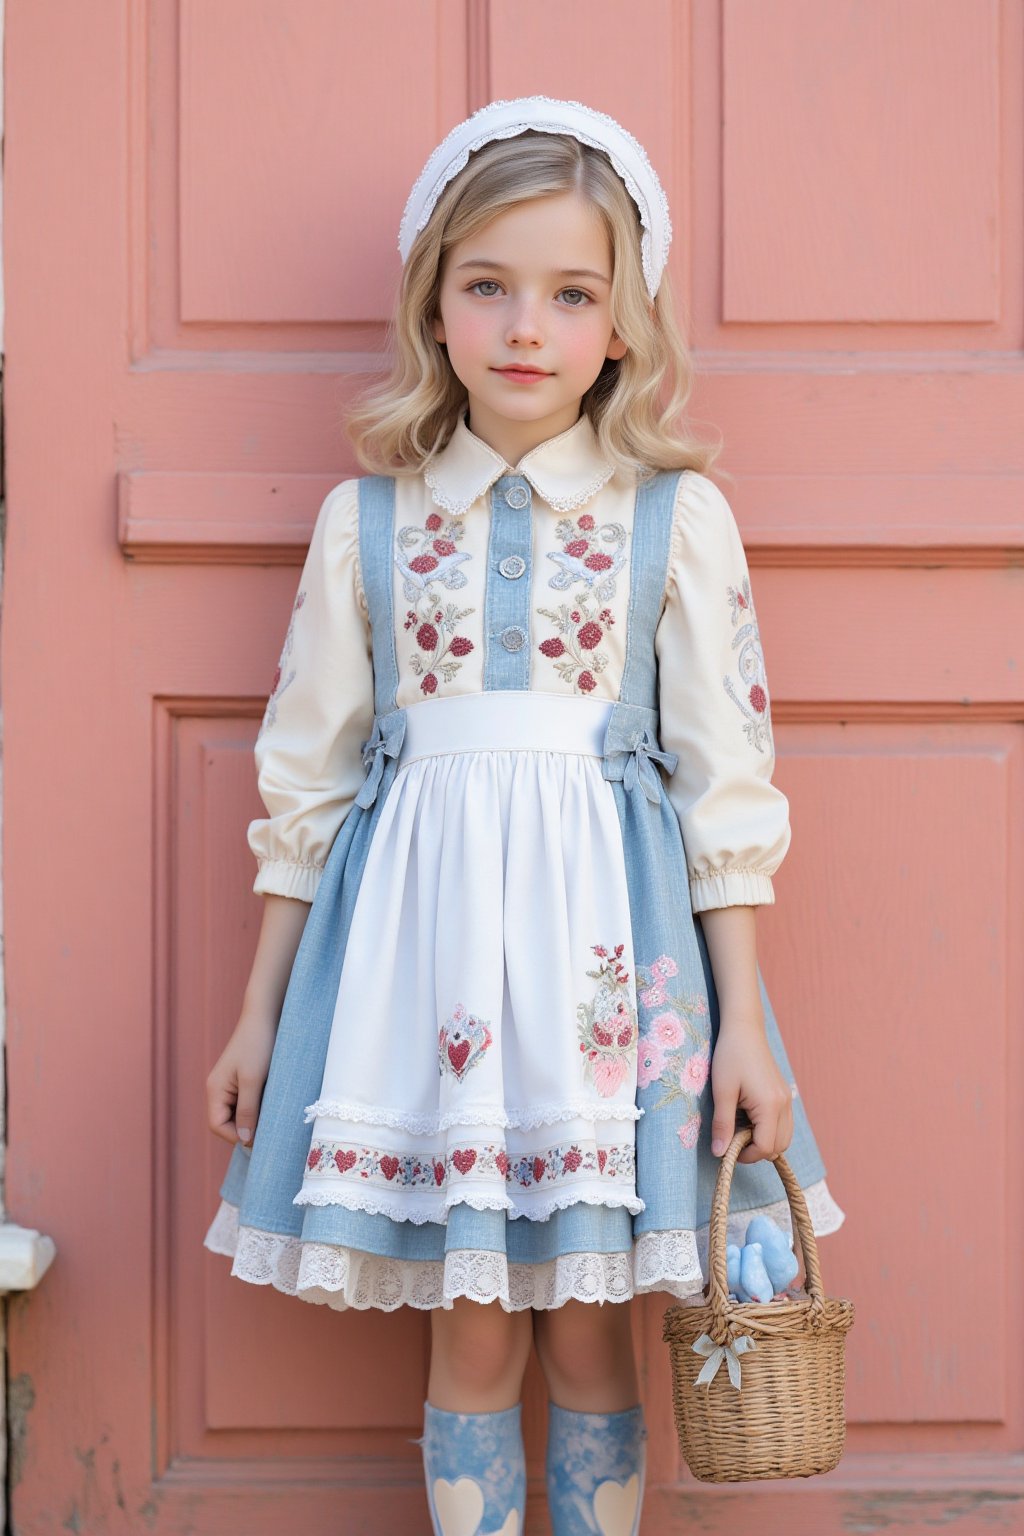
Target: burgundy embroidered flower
[[607, 1026], [428, 563], [578, 548], [552, 647], [746, 644], [575, 616], [590, 636], [586, 522], [598, 562], [586, 682], [314, 1157]]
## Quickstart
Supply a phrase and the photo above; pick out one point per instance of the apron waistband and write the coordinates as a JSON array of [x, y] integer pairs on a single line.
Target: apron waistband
[[505, 720]]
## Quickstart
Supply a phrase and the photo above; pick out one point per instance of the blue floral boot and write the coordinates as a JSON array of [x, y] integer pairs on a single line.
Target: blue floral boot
[[475, 1468], [595, 1471]]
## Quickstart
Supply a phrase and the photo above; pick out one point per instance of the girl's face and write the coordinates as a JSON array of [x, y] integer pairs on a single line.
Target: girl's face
[[532, 288]]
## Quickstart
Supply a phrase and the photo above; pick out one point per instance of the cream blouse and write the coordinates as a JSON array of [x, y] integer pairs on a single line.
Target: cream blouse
[[713, 695]]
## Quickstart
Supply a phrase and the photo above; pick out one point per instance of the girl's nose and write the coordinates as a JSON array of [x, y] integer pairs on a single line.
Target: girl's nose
[[524, 326]]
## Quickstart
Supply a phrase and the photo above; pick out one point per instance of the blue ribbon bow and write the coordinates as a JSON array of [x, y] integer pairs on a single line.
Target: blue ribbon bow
[[385, 740], [632, 749]]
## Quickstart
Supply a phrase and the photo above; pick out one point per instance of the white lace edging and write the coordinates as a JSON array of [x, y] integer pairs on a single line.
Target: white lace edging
[[437, 1210], [429, 1124], [340, 1277]]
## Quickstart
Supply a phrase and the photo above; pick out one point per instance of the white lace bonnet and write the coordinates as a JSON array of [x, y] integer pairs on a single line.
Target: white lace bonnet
[[545, 114]]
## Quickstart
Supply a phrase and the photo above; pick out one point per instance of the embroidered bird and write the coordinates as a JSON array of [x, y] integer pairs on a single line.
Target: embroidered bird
[[443, 568], [572, 569]]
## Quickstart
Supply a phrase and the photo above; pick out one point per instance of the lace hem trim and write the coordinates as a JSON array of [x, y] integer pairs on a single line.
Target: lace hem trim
[[437, 1211], [428, 1124], [339, 1277]]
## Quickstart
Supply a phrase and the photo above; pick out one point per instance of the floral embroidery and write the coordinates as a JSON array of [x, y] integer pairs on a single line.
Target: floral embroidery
[[278, 687], [674, 1050], [750, 662], [461, 1042], [607, 1026], [435, 563], [411, 1170], [582, 623]]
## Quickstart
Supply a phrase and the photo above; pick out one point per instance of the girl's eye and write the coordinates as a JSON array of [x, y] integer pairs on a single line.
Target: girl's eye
[[483, 283], [582, 295]]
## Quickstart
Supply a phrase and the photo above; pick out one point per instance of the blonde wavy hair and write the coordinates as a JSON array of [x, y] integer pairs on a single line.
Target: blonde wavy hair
[[397, 426]]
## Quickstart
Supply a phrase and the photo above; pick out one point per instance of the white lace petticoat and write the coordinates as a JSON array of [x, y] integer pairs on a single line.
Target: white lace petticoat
[[339, 1277]]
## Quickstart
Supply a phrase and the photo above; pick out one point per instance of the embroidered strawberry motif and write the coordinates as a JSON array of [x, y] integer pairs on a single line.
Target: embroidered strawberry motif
[[464, 1158], [345, 1160], [539, 1164], [314, 1157], [438, 1173], [462, 1041], [572, 1160], [602, 1158], [389, 1167]]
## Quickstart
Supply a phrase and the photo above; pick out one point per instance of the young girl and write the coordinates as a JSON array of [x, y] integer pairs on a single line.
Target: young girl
[[518, 742]]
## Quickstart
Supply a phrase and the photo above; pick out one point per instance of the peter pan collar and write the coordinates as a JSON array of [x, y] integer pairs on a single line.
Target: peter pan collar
[[566, 470]]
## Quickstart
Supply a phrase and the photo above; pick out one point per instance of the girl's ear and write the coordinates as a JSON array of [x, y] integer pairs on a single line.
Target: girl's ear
[[616, 347], [437, 329]]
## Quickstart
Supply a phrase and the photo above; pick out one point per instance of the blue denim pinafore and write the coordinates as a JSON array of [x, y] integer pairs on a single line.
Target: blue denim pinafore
[[675, 1168]]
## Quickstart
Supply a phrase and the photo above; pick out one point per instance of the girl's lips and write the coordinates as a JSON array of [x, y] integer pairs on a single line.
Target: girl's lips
[[522, 373]]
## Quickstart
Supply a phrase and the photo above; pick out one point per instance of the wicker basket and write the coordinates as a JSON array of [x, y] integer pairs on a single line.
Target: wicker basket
[[785, 1418]]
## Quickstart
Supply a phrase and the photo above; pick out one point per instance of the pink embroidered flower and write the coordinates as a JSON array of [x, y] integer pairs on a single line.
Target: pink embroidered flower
[[575, 615], [433, 522], [609, 1074], [587, 682], [758, 698], [586, 522], [689, 1132], [577, 548], [589, 636], [664, 967], [667, 1030], [694, 1073], [421, 564], [650, 1063], [598, 562], [653, 997], [443, 547]]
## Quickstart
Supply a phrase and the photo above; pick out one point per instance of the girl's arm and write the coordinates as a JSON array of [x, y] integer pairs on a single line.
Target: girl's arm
[[309, 769], [715, 713]]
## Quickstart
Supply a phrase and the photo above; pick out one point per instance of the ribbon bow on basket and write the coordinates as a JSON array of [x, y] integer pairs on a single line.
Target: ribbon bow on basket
[[385, 740], [716, 1353], [631, 749]]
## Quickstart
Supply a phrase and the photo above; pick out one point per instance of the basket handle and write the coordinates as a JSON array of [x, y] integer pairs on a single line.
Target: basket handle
[[724, 1323]]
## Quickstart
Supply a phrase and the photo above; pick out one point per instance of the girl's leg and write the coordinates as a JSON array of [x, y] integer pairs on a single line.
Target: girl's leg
[[472, 1441], [596, 1449]]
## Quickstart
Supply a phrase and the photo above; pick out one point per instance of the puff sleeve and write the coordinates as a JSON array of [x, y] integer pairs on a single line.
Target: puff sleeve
[[320, 712], [714, 708]]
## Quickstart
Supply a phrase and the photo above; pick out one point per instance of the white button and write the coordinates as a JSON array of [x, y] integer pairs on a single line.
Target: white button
[[513, 638], [512, 566], [517, 496]]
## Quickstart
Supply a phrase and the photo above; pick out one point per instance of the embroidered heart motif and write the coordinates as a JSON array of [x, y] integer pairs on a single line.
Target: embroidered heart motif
[[615, 1506], [459, 1506], [457, 1055], [464, 1158], [389, 1166], [501, 1158], [345, 1161]]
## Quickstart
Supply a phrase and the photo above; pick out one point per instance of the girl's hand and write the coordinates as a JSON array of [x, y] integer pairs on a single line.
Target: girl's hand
[[744, 1072], [234, 1088]]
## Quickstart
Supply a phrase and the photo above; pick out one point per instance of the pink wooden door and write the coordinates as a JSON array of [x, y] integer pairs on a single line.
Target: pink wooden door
[[202, 199]]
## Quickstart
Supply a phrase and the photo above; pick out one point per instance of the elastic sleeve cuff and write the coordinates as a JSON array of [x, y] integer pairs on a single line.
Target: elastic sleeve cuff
[[730, 888], [288, 877]]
